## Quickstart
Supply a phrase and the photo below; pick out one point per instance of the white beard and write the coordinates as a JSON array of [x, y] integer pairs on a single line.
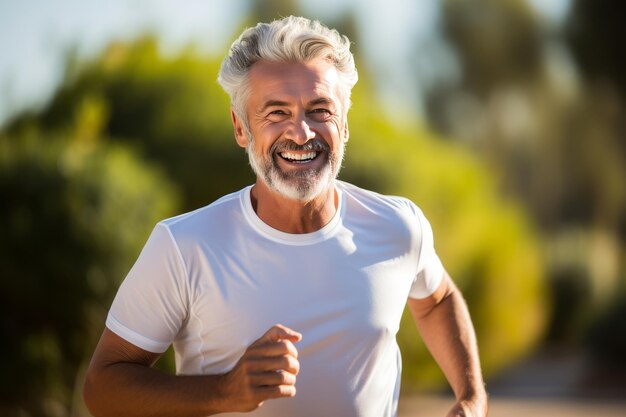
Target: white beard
[[303, 185]]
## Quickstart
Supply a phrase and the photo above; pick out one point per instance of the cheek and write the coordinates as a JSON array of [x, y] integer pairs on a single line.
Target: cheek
[[265, 138], [335, 132]]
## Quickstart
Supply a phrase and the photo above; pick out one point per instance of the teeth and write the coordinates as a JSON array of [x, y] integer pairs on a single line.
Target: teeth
[[298, 157]]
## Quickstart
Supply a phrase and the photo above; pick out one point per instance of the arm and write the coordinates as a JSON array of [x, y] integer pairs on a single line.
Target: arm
[[121, 381], [446, 328]]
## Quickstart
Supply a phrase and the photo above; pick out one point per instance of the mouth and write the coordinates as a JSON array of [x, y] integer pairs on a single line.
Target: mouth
[[299, 157]]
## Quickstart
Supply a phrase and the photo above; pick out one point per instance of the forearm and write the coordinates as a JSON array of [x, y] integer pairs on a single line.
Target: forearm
[[448, 333], [131, 389], [120, 380]]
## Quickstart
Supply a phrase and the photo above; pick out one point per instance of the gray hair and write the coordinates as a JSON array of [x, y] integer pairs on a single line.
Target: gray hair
[[291, 39]]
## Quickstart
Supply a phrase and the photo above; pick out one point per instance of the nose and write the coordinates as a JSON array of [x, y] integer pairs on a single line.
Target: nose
[[299, 131]]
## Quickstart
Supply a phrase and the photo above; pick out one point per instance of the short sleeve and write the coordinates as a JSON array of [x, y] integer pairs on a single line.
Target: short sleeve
[[429, 268], [150, 305]]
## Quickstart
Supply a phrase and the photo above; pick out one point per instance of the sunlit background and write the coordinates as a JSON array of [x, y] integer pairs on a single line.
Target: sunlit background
[[503, 119]]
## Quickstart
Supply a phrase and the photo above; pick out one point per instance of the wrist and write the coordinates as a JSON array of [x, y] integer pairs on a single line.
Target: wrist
[[216, 394], [475, 401]]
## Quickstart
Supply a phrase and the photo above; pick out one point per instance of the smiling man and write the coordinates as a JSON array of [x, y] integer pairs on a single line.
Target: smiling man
[[284, 298]]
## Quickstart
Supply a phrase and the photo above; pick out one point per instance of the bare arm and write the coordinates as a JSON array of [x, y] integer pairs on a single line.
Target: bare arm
[[446, 328], [121, 381]]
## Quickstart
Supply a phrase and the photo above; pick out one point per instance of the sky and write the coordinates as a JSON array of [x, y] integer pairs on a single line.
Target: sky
[[36, 34]]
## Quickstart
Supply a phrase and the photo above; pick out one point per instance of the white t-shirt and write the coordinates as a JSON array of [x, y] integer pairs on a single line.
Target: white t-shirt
[[214, 280]]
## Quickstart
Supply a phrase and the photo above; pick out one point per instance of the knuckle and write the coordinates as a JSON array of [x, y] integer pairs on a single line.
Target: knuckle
[[291, 363], [284, 346], [282, 377], [286, 378], [291, 348], [279, 391], [285, 362]]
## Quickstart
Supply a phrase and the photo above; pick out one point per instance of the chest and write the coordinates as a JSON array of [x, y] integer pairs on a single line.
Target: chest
[[345, 291]]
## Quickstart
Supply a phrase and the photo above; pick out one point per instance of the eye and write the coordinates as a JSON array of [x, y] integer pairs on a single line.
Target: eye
[[320, 115], [276, 115]]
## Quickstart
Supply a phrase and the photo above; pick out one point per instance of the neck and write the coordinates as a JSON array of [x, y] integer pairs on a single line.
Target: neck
[[293, 216]]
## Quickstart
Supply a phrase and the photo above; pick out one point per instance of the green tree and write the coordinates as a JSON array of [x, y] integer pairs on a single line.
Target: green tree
[[170, 110], [594, 33], [74, 213], [551, 127]]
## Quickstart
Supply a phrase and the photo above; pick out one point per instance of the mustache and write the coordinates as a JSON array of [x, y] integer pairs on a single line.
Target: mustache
[[289, 145]]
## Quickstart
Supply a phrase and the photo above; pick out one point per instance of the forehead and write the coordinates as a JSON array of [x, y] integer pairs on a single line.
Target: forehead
[[293, 81]]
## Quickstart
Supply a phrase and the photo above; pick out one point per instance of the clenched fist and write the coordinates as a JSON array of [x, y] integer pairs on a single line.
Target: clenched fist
[[267, 370]]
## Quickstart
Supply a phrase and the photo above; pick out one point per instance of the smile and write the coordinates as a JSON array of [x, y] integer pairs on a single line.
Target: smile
[[298, 158]]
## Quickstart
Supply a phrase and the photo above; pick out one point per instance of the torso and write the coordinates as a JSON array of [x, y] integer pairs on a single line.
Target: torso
[[343, 287]]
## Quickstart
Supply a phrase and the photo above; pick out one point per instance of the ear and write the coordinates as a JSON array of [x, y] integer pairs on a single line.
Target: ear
[[346, 132], [241, 135]]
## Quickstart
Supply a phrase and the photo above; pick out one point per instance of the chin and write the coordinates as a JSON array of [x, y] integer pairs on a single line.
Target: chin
[[303, 193], [303, 187]]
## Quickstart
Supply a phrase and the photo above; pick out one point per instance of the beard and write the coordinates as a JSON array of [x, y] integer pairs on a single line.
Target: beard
[[302, 184]]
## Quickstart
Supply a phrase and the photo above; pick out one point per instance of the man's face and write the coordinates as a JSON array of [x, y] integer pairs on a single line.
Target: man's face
[[297, 127]]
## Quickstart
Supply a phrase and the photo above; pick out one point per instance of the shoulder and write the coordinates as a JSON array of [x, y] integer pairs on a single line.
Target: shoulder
[[386, 220], [377, 203], [211, 218]]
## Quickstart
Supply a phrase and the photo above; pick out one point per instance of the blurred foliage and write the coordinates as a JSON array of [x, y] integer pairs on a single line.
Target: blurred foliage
[[545, 107], [606, 337], [169, 110], [595, 32], [498, 41], [74, 214]]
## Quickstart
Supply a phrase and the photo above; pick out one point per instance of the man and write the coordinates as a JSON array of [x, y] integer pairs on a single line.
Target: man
[[332, 263]]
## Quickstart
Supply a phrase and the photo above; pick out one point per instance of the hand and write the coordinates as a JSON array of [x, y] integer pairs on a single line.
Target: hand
[[469, 408], [267, 370]]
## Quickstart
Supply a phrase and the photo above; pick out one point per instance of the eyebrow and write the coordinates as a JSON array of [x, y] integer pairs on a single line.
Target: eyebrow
[[321, 100], [280, 103], [274, 103]]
